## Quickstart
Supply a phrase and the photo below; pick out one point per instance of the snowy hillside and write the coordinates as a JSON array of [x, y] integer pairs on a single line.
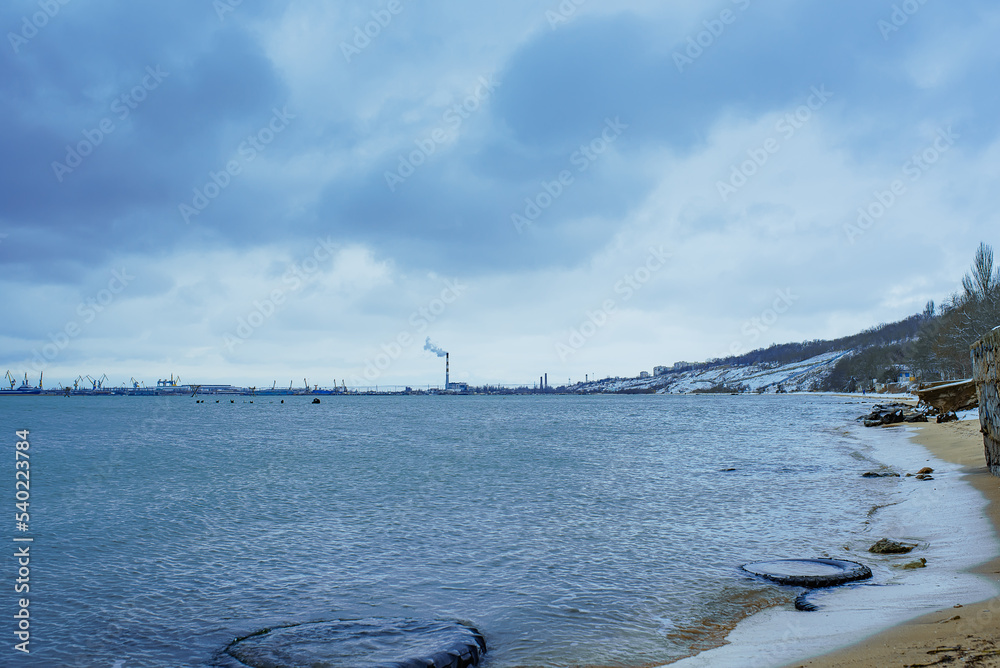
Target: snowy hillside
[[793, 377]]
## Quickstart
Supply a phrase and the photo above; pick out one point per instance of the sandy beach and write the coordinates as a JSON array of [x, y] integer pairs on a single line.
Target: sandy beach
[[936, 615], [969, 634]]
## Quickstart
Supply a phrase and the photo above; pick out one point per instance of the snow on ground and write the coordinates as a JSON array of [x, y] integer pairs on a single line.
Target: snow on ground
[[794, 377]]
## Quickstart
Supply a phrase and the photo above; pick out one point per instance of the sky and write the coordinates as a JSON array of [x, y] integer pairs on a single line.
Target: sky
[[257, 192]]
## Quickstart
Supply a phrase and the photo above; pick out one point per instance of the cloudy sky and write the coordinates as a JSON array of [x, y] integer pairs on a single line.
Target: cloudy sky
[[253, 191]]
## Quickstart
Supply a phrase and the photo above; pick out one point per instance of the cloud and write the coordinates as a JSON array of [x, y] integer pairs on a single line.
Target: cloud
[[557, 87]]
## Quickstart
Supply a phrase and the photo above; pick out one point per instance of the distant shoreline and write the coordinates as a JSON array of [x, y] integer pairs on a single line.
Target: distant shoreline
[[354, 392]]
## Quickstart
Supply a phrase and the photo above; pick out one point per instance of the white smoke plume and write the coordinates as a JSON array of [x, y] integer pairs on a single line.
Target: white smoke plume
[[433, 348]]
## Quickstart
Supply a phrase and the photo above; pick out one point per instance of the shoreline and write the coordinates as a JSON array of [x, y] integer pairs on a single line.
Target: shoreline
[[955, 521], [975, 628]]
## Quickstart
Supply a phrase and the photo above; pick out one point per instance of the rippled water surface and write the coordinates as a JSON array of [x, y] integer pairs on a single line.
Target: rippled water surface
[[569, 530]]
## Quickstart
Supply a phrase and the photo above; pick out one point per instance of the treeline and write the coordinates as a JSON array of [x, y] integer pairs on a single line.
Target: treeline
[[934, 344], [942, 349]]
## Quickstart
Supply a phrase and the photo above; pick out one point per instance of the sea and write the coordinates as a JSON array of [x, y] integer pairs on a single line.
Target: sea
[[570, 530]]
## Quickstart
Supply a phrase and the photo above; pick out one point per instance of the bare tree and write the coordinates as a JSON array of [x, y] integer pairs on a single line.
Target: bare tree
[[982, 282], [942, 350]]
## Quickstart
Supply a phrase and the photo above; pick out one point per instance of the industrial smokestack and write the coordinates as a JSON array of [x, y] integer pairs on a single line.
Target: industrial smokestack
[[429, 345], [546, 381]]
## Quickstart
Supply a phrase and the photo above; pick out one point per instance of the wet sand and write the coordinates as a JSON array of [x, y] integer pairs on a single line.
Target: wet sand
[[969, 635]]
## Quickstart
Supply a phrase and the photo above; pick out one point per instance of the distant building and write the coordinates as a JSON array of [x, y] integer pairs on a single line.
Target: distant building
[[660, 370], [907, 377], [681, 365], [643, 374]]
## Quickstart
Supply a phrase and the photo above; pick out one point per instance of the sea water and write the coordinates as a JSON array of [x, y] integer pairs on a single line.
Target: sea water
[[570, 530]]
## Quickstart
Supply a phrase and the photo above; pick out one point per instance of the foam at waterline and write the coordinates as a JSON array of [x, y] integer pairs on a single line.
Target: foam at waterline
[[946, 515]]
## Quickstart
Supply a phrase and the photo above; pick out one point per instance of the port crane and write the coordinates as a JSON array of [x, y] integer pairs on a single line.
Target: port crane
[[13, 382], [96, 383]]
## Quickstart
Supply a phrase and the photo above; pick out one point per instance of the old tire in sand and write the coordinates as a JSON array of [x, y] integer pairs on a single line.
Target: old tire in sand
[[810, 573], [361, 643]]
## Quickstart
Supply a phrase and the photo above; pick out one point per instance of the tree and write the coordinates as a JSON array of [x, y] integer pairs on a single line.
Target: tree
[[942, 350], [982, 283]]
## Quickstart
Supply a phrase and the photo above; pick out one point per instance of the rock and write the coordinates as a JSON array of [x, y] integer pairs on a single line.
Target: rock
[[920, 563], [947, 417], [880, 474], [895, 413], [923, 476], [926, 469], [886, 546]]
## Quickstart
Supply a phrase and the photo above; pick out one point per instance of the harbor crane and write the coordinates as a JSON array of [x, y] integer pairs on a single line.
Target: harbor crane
[[13, 382]]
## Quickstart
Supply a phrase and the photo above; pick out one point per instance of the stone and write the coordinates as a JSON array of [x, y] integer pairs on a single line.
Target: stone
[[886, 546], [986, 373], [926, 469]]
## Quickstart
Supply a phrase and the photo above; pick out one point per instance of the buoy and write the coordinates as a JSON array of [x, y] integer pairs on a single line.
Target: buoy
[[316, 401]]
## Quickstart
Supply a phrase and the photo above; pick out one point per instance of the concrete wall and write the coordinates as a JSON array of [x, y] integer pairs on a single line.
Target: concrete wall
[[985, 361]]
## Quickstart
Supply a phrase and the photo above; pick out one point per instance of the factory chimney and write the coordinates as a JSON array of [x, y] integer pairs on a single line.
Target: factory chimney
[[447, 363], [546, 381]]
